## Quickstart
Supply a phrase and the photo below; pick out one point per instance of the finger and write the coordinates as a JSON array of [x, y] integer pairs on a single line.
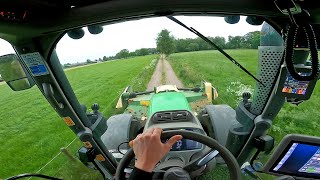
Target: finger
[[173, 140], [149, 131], [157, 132], [131, 144], [138, 136]]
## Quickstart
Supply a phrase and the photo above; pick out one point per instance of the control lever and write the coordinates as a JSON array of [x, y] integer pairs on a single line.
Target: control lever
[[194, 165], [95, 107], [207, 158], [246, 96]]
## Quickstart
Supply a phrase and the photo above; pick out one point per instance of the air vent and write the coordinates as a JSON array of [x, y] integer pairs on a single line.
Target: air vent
[[180, 116], [162, 117], [174, 116]]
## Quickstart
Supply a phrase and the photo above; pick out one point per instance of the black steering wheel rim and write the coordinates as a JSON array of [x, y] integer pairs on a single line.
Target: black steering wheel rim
[[233, 166]]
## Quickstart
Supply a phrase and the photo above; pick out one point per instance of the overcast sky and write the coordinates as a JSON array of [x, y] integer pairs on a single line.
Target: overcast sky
[[138, 34]]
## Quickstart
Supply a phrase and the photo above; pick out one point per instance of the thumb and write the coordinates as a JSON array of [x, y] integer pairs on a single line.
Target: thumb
[[173, 140]]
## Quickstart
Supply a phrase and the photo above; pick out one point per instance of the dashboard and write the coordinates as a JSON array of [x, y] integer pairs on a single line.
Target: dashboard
[[185, 149], [186, 144], [167, 120]]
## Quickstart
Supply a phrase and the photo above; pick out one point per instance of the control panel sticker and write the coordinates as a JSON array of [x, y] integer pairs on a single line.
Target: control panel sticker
[[87, 144], [68, 121], [99, 157], [35, 63]]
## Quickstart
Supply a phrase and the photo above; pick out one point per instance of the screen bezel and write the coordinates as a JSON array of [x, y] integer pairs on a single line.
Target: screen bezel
[[283, 148], [198, 148], [283, 154], [283, 77]]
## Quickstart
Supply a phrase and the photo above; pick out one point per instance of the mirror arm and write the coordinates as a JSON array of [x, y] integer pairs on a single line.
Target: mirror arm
[[48, 91]]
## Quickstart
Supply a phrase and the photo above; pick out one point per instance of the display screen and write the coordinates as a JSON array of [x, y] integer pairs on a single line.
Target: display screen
[[294, 86], [299, 159], [186, 144]]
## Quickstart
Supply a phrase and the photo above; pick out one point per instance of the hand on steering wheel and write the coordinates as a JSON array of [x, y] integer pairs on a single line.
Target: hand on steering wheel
[[230, 160], [149, 149]]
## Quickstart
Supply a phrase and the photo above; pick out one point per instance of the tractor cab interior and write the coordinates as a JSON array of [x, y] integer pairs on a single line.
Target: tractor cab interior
[[214, 134]]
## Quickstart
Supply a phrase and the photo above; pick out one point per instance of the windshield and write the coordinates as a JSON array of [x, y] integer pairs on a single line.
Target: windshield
[[191, 59], [143, 54]]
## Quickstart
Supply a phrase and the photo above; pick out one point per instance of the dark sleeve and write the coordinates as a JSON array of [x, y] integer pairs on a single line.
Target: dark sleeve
[[140, 174]]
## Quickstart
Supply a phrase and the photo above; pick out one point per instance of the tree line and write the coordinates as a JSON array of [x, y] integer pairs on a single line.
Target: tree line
[[123, 54], [167, 44]]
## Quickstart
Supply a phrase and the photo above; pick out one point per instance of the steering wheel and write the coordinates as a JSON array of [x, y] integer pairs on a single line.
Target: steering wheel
[[233, 166]]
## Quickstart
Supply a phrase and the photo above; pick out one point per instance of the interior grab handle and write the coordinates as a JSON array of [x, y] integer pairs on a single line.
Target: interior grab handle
[[49, 93]]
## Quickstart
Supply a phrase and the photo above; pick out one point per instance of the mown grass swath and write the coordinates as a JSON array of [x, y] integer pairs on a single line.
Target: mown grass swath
[[32, 133], [231, 82]]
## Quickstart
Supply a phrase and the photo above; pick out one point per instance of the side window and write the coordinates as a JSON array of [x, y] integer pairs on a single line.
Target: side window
[[32, 134], [100, 66], [5, 48]]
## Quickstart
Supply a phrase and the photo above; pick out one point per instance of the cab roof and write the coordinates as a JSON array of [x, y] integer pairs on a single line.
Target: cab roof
[[34, 18]]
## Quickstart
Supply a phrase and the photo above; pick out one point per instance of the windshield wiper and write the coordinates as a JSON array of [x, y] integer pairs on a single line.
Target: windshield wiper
[[215, 46]]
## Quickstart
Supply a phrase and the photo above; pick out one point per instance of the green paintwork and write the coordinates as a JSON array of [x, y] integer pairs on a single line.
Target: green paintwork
[[193, 96], [160, 102], [168, 101]]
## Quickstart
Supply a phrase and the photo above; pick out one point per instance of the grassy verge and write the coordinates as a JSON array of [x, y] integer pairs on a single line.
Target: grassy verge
[[163, 74], [32, 133], [230, 81]]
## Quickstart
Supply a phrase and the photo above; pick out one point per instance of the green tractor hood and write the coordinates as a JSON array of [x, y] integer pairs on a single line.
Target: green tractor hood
[[166, 101]]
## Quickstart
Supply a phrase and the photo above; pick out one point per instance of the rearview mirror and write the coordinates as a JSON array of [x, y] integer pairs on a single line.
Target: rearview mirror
[[14, 74]]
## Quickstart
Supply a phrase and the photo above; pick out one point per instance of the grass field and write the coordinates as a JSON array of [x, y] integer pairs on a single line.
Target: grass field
[[230, 81], [32, 133]]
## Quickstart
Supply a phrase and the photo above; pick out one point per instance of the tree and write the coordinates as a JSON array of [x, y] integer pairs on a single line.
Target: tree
[[193, 47], [165, 42], [219, 41], [89, 61], [105, 58], [152, 51], [131, 54], [67, 65], [142, 52], [234, 42], [124, 53], [251, 40]]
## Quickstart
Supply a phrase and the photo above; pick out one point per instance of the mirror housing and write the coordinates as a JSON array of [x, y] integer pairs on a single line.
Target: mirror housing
[[95, 29], [254, 20], [76, 33], [14, 74], [232, 19]]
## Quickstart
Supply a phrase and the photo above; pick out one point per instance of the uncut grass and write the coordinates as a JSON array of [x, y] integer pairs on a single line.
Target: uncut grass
[[192, 67], [31, 132]]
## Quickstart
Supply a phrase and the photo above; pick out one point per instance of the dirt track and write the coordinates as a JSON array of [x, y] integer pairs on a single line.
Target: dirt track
[[163, 74]]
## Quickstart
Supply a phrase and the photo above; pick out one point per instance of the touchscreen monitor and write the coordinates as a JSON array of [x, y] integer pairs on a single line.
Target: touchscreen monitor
[[293, 86], [299, 159]]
